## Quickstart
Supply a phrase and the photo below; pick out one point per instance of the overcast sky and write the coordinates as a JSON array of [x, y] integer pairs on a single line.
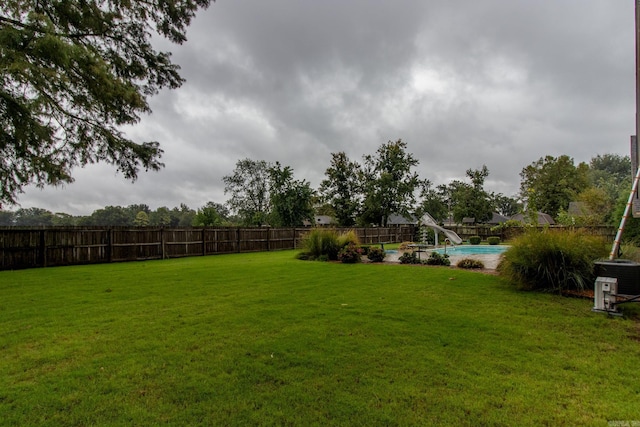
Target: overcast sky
[[464, 83]]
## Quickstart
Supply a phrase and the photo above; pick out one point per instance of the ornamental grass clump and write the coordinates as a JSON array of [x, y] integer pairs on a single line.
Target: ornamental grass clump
[[323, 244], [554, 261], [349, 237], [320, 244]]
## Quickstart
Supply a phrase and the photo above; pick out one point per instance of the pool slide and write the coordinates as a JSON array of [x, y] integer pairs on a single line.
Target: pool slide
[[430, 222]]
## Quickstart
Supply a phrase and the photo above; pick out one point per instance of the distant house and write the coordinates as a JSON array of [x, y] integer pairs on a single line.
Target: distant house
[[543, 218], [468, 220], [496, 219], [319, 221]]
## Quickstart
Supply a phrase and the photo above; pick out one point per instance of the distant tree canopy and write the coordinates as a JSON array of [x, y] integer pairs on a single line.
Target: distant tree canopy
[[262, 193], [248, 187], [388, 183], [211, 214], [471, 200], [341, 188], [291, 199], [551, 183], [73, 73]]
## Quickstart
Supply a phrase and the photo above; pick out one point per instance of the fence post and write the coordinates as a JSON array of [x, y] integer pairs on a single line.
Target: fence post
[[109, 249], [43, 248], [204, 241], [162, 240], [238, 239], [268, 239]]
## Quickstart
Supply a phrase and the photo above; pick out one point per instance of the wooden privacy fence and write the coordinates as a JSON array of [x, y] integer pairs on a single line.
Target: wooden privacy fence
[[484, 231], [56, 246]]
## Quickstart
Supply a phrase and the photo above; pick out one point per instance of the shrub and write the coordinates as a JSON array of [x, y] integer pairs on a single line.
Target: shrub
[[409, 258], [552, 261], [365, 249], [475, 240], [493, 240], [470, 263], [350, 254], [438, 259], [376, 254], [321, 242]]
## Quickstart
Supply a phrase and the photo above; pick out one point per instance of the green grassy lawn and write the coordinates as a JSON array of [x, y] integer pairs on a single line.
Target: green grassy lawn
[[264, 339]]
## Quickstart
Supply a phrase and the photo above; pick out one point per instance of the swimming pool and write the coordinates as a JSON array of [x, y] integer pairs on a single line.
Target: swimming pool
[[473, 250]]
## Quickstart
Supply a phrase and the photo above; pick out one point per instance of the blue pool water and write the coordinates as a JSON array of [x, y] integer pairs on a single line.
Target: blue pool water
[[465, 250], [474, 249]]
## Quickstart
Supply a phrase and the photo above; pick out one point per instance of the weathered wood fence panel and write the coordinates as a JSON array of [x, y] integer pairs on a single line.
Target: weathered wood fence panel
[[21, 248], [67, 247], [184, 242], [56, 246]]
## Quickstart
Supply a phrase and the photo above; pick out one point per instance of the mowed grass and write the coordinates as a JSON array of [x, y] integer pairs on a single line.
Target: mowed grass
[[264, 339]]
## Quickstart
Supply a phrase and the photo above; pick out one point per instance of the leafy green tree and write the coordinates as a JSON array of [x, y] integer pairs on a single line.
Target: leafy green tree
[[291, 199], [612, 174], [471, 200], [182, 216], [248, 186], [325, 209], [161, 217], [31, 217], [7, 218], [550, 183], [74, 72], [64, 219], [141, 219], [135, 208], [434, 201], [342, 189], [211, 214], [505, 205], [109, 216], [610, 169], [388, 183], [598, 205]]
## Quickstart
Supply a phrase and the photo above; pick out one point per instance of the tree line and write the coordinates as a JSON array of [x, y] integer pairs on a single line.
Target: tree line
[[371, 191]]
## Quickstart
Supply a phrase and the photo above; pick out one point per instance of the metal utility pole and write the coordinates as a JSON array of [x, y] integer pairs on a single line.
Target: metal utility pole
[[633, 204], [635, 152]]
